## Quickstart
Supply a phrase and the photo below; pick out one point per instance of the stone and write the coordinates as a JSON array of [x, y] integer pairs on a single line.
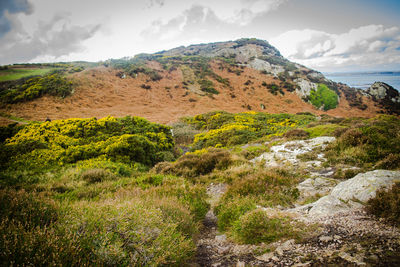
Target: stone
[[220, 238], [305, 87], [265, 257], [351, 194], [312, 187], [325, 238], [240, 264], [287, 152], [381, 90]]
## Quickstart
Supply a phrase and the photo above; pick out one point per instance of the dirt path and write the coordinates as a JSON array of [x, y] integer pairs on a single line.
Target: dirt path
[[213, 248]]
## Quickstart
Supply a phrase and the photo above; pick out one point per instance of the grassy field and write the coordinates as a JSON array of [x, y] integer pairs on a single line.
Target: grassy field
[[18, 73]]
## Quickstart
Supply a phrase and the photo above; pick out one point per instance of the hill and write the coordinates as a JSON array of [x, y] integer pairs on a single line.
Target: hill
[[246, 74]]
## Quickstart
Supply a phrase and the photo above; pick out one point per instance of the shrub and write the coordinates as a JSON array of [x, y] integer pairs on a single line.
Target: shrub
[[195, 164], [184, 133], [256, 226], [52, 84], [208, 87], [324, 97], [226, 129], [253, 151], [133, 231], [296, 134], [128, 139], [230, 212], [40, 246], [368, 143], [390, 162], [386, 204], [96, 175], [27, 208], [323, 130]]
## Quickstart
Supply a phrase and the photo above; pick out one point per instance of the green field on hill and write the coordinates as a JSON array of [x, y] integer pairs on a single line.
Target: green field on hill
[[18, 73]]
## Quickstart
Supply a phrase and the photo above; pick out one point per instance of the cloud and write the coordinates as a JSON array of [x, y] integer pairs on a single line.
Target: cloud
[[365, 46], [191, 24], [152, 3], [209, 21], [12, 7], [51, 39]]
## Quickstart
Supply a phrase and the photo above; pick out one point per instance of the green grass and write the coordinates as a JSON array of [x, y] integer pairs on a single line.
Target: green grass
[[18, 73]]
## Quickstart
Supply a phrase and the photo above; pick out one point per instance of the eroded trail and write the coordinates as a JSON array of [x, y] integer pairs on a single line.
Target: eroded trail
[[213, 248]]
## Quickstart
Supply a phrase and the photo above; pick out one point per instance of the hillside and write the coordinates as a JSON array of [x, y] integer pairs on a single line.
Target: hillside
[[246, 74], [247, 185]]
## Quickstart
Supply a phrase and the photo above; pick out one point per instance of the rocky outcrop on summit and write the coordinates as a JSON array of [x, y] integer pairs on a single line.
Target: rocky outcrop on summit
[[386, 96]]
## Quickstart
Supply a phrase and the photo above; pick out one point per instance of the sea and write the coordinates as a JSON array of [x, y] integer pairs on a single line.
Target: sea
[[364, 80]]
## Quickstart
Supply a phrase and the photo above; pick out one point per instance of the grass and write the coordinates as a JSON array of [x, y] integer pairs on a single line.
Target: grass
[[80, 192], [18, 73]]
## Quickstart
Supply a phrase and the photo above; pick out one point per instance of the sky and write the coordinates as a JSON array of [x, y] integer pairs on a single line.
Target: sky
[[326, 35]]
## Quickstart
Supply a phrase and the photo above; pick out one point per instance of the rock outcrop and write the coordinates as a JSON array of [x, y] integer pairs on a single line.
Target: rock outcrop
[[287, 152], [352, 194], [386, 96]]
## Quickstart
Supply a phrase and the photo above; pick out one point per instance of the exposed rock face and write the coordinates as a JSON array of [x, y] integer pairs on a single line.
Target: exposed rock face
[[352, 193], [381, 90], [319, 185], [305, 87], [288, 152], [386, 96], [261, 65]]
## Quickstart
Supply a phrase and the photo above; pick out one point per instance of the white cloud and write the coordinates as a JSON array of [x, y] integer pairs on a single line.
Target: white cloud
[[366, 46], [50, 40]]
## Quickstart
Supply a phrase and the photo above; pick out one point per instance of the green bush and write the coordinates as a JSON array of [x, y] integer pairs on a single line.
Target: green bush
[[368, 144], [208, 87], [126, 140], [386, 204], [27, 208], [226, 129], [297, 134], [324, 97], [255, 187], [198, 163], [228, 213], [133, 231], [53, 84], [256, 226], [324, 130], [97, 175]]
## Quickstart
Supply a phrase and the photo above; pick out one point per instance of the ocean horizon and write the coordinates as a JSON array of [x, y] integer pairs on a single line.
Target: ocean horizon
[[363, 80]]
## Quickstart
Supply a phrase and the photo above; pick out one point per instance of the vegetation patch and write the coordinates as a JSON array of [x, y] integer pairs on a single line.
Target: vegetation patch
[[372, 142], [9, 73], [386, 204], [324, 97], [226, 129], [128, 139], [53, 84], [197, 163], [258, 226]]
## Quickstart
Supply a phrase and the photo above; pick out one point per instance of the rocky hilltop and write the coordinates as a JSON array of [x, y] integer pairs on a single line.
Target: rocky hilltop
[[246, 74], [386, 96]]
